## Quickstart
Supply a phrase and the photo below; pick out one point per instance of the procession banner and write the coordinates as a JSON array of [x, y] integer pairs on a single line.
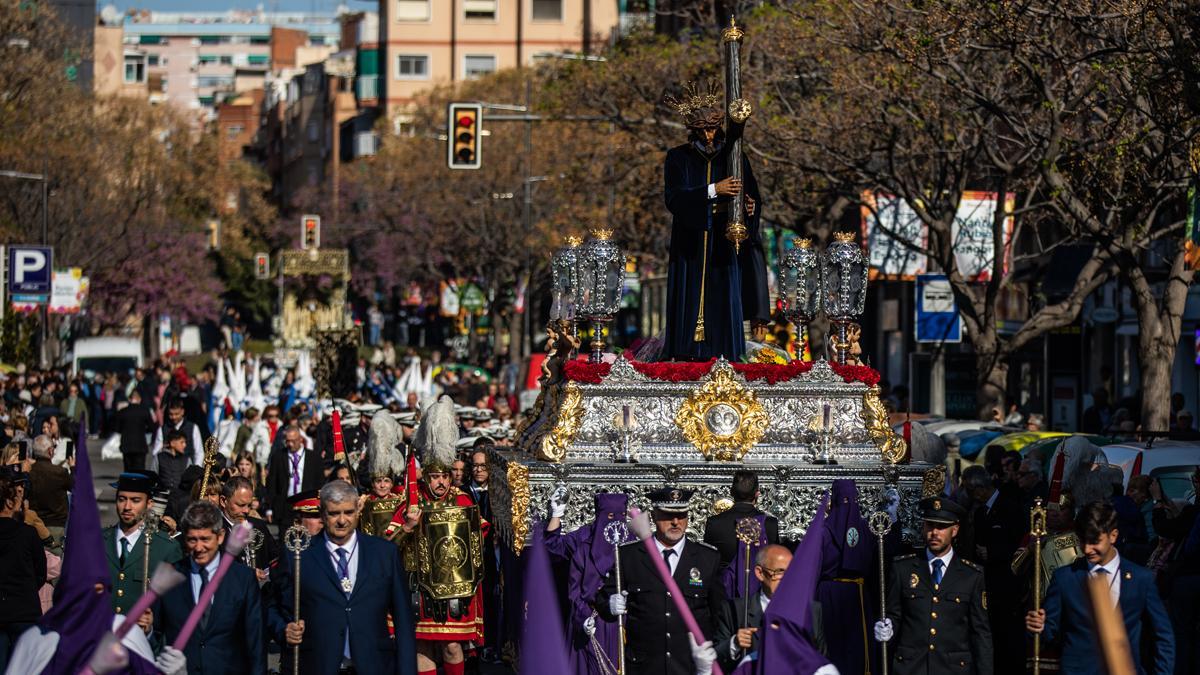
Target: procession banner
[[892, 229]]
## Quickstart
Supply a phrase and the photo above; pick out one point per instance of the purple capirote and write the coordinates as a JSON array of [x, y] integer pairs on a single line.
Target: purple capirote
[[591, 558], [542, 643], [787, 624]]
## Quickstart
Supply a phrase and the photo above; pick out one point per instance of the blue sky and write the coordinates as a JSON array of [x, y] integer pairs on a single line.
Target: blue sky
[[223, 5]]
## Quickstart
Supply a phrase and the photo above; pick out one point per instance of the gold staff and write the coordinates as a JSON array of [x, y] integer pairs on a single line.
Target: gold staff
[[149, 527], [880, 523], [748, 532], [1037, 530], [210, 462], [296, 539]]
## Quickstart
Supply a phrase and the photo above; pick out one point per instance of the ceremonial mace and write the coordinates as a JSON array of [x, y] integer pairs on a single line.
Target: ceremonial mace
[[748, 532], [210, 462], [296, 539], [149, 527], [1037, 530], [616, 533], [881, 523], [250, 553]]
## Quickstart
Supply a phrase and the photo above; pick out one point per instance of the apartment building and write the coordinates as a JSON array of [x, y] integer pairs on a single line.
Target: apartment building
[[431, 42], [194, 60]]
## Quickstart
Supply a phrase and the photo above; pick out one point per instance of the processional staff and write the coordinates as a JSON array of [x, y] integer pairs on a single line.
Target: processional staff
[[1037, 530], [616, 533], [149, 527], [738, 110], [749, 532], [880, 523], [296, 539]]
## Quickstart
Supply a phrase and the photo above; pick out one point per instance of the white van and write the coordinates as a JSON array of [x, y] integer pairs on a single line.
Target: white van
[[107, 354]]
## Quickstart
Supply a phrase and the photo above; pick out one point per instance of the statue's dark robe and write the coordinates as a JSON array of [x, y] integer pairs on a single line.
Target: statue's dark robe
[[703, 262]]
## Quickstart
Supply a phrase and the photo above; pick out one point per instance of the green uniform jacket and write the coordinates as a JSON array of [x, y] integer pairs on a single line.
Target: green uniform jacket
[[127, 579], [939, 629]]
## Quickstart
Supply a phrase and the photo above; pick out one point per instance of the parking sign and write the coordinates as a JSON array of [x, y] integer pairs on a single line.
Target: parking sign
[[30, 270]]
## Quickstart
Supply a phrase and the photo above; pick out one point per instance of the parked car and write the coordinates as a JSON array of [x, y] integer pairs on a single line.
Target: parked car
[[1171, 462]]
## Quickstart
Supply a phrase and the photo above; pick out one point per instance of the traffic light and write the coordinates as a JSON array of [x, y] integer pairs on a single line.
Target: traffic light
[[310, 232], [462, 140], [262, 266]]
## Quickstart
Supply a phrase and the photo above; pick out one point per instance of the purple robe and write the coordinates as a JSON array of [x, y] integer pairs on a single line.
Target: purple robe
[[845, 590], [787, 624], [80, 615], [739, 578], [542, 648], [590, 558]]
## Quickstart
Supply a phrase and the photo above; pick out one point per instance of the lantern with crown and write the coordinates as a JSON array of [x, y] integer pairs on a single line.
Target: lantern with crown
[[564, 272], [843, 287], [601, 282], [800, 286]]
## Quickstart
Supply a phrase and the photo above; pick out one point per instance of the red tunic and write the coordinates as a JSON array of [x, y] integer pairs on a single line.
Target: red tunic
[[469, 626]]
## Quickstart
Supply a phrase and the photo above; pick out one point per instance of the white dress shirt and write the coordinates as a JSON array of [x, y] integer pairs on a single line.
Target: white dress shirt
[[295, 485], [1111, 576], [991, 500], [678, 548], [351, 548], [194, 576]]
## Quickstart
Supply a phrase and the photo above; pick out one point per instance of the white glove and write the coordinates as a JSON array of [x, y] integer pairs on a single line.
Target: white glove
[[589, 624], [171, 662], [883, 630], [558, 502], [703, 656], [616, 603]]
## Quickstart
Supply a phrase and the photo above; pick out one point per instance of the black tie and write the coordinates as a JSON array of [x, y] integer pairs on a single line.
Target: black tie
[[208, 608], [124, 550], [667, 553]]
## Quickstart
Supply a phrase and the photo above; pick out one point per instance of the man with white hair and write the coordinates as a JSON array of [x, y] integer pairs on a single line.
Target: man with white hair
[[48, 487]]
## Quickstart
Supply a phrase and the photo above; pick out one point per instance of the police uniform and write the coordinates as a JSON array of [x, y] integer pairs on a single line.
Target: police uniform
[[656, 634], [939, 627], [127, 576]]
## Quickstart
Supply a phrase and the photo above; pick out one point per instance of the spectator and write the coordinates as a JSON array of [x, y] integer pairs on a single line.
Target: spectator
[[1139, 492], [22, 571], [74, 409], [134, 423], [1096, 417], [1031, 483], [48, 487], [1035, 423], [374, 324], [1014, 417]]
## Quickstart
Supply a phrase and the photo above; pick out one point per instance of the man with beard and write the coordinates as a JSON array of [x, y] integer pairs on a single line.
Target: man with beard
[[657, 636], [711, 286], [936, 603], [123, 544]]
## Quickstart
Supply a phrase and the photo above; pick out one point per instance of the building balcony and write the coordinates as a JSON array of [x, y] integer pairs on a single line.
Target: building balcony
[[366, 87]]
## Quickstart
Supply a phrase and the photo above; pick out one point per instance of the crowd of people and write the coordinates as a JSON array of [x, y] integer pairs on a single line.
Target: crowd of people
[[360, 482]]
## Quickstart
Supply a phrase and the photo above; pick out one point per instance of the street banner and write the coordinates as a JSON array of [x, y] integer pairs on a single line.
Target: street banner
[[892, 229], [937, 313], [69, 289]]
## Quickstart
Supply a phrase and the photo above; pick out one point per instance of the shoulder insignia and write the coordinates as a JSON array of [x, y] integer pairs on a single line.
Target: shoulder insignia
[[704, 544], [906, 556], [972, 564], [985, 599]]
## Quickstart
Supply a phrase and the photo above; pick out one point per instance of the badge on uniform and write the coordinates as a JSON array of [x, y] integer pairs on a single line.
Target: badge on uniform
[[347, 586], [985, 599], [694, 575], [1128, 575], [914, 580], [852, 537]]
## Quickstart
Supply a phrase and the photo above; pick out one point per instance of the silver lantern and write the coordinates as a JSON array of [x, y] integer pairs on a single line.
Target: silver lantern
[[844, 287], [601, 278], [564, 273], [801, 282]]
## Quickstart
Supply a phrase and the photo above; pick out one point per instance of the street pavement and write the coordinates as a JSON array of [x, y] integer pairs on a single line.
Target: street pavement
[[104, 473]]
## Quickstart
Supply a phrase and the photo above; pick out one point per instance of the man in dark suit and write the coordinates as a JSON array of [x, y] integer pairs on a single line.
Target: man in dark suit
[[720, 530], [1066, 616], [237, 493], [657, 636], [230, 636], [290, 469], [937, 604], [999, 523], [350, 583], [134, 422]]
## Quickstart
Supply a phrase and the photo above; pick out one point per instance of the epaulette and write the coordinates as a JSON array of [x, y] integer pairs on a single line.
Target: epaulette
[[906, 556], [973, 565], [705, 545]]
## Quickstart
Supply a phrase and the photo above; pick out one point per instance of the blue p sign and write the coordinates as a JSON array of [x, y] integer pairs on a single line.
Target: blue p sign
[[29, 269]]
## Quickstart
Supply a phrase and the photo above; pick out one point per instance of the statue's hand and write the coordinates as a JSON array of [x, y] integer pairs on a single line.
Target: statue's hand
[[749, 205], [728, 187]]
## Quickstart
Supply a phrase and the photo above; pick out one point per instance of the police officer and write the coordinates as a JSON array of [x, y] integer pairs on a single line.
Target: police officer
[[657, 637], [937, 604], [123, 544]]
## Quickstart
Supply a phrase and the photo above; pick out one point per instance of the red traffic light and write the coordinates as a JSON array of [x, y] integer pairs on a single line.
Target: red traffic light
[[466, 121]]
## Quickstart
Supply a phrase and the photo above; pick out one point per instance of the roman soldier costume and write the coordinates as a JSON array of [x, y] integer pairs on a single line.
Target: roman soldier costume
[[444, 554]]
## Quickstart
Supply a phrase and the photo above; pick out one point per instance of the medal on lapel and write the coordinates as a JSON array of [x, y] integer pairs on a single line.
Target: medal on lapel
[[914, 580], [346, 585]]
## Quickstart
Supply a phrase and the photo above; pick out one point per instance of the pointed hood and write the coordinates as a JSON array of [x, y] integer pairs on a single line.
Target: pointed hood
[[787, 624], [543, 642], [80, 615]]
